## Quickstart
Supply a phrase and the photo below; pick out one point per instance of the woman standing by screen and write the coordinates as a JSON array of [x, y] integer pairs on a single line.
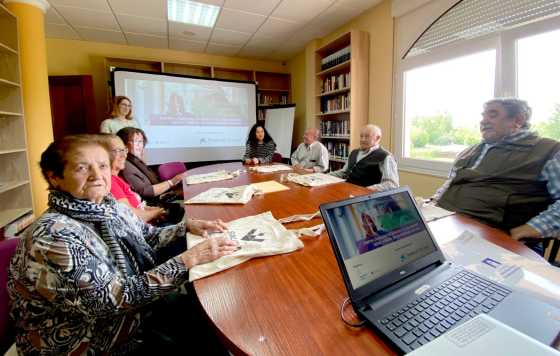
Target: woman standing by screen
[[259, 147], [120, 116]]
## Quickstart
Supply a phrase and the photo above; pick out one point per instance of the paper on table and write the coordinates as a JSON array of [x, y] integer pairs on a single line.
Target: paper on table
[[270, 186], [271, 168], [234, 195], [313, 179], [258, 235], [432, 212], [211, 177], [537, 278]]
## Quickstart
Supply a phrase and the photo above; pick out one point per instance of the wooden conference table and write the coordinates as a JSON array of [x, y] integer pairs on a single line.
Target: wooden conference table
[[289, 304]]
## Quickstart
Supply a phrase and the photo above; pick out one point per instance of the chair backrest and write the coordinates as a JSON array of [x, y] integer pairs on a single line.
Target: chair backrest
[[7, 249], [277, 157], [169, 170]]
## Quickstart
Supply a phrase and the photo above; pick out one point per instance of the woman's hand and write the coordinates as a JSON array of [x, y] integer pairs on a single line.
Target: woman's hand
[[208, 251], [248, 161], [255, 160], [202, 227], [178, 178]]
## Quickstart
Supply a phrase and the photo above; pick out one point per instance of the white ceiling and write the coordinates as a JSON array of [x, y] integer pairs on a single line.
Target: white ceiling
[[269, 29]]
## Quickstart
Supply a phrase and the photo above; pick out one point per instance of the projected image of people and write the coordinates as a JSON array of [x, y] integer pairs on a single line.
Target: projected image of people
[[370, 225], [176, 106]]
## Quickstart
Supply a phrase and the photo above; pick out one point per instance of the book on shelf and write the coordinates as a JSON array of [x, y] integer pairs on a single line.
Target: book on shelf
[[337, 103], [338, 128], [16, 227], [335, 58], [337, 150], [335, 82]]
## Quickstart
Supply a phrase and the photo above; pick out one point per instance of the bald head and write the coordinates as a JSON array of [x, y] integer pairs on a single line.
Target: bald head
[[370, 136], [311, 135]]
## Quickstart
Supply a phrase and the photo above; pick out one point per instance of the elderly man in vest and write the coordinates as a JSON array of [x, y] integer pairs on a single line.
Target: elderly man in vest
[[311, 155], [511, 179], [370, 166]]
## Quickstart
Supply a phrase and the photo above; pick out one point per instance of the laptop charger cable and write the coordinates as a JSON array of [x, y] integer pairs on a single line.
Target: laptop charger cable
[[349, 323]]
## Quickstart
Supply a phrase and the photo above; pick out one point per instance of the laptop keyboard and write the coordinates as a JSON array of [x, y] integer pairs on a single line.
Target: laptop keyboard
[[457, 299]]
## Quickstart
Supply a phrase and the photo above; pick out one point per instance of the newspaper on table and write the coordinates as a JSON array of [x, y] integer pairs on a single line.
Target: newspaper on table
[[233, 195], [271, 169], [211, 177], [536, 278], [432, 212], [314, 179], [257, 236]]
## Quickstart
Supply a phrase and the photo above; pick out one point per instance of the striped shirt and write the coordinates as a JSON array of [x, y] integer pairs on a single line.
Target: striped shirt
[[548, 221], [262, 151]]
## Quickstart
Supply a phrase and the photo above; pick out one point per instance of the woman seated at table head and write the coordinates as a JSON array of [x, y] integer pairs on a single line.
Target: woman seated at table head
[[259, 147], [137, 173], [119, 188], [120, 116], [85, 267]]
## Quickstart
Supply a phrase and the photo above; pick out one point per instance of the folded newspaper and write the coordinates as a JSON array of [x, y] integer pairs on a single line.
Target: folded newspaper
[[313, 179], [258, 235], [211, 177], [233, 195], [271, 169]]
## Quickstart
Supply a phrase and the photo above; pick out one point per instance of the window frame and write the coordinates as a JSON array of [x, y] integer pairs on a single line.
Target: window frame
[[505, 82]]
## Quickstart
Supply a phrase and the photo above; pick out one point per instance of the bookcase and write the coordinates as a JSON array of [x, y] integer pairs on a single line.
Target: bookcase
[[15, 183], [342, 90]]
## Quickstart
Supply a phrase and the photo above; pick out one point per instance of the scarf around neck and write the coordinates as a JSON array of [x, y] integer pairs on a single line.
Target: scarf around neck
[[131, 255]]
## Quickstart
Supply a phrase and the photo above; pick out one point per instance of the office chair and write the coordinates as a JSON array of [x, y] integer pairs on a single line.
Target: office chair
[[553, 251], [277, 157], [169, 170], [7, 249]]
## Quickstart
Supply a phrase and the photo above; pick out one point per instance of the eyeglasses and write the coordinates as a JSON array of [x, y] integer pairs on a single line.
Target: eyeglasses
[[138, 142], [125, 105], [121, 151]]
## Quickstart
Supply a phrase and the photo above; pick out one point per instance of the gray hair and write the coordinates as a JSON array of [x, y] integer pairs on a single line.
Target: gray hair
[[374, 129], [514, 107]]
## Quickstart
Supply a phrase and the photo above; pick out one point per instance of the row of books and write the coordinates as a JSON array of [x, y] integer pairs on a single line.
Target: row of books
[[16, 227], [335, 128], [336, 82], [340, 102], [336, 58], [337, 150], [270, 99]]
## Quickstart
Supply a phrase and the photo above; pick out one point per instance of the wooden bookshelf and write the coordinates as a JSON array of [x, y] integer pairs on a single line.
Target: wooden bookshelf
[[15, 187], [341, 93]]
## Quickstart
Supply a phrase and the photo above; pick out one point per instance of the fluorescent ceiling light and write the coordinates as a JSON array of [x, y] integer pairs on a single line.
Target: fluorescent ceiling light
[[193, 13]]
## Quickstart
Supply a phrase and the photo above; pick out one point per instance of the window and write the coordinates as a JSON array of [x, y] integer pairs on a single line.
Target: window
[[442, 105], [441, 86], [538, 80]]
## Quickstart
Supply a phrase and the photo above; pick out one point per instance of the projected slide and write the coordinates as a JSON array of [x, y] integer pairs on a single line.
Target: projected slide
[[190, 119]]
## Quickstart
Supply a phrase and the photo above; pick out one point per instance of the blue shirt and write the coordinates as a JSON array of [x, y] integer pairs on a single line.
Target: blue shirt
[[546, 222]]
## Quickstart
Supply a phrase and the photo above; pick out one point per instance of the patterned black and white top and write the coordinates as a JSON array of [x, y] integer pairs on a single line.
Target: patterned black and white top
[[262, 151], [80, 274]]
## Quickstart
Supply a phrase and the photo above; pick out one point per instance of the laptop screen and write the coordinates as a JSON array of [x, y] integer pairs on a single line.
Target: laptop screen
[[379, 235]]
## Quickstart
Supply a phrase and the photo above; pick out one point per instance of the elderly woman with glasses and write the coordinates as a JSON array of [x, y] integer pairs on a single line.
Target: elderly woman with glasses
[[120, 116], [119, 188], [137, 173], [85, 273]]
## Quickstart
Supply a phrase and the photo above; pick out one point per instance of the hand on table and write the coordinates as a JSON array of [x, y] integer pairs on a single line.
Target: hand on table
[[209, 250], [202, 227], [524, 231], [255, 160]]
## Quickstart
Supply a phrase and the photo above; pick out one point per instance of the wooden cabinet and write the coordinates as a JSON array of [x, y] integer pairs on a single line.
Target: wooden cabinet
[[341, 89], [15, 185]]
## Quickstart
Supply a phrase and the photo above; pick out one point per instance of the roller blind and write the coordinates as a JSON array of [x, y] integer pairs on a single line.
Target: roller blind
[[469, 19]]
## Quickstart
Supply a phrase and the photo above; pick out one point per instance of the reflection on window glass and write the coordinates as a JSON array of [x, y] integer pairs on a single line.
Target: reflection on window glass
[[538, 75], [443, 103]]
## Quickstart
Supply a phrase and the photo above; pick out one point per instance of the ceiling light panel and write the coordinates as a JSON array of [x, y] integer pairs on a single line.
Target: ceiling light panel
[[191, 12]]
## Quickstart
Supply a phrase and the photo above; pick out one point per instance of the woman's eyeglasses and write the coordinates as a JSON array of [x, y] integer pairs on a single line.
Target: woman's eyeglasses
[[120, 151]]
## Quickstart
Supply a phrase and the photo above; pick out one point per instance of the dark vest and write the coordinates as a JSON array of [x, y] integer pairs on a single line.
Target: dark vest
[[503, 190], [366, 172]]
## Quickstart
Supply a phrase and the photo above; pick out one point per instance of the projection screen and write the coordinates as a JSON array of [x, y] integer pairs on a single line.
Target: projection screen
[[189, 119]]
